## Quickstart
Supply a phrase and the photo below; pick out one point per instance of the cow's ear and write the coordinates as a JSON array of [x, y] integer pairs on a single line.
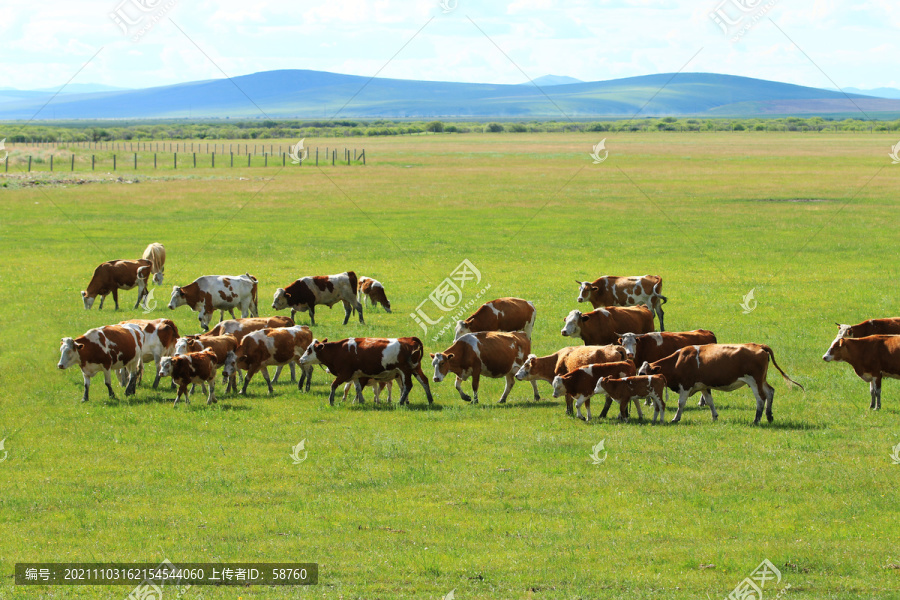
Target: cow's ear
[[449, 356], [595, 288], [838, 324], [432, 355], [83, 294], [585, 317], [840, 342], [79, 346], [324, 340]]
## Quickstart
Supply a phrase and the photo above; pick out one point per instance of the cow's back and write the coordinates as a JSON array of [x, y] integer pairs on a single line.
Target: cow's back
[[580, 356]]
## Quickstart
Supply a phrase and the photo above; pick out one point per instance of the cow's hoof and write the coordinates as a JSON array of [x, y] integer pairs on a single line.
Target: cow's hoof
[[501, 402], [466, 398]]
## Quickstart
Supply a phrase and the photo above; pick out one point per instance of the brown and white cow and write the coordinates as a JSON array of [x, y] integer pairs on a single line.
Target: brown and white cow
[[241, 327], [221, 345], [631, 389], [724, 367], [872, 357], [600, 327], [115, 275], [581, 384], [261, 349], [306, 293], [379, 359], [374, 291], [889, 326], [566, 360], [104, 349], [502, 314], [625, 291], [487, 353], [210, 293], [194, 367], [160, 336]]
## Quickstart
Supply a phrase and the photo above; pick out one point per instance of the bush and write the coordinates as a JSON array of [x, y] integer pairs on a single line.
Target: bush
[[495, 127], [518, 128], [435, 127]]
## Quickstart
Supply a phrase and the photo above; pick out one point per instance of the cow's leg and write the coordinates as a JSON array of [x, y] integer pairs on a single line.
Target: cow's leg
[[510, 380], [465, 397], [231, 312], [770, 398], [705, 398], [359, 389], [108, 381], [537, 394], [682, 400], [87, 386], [346, 391], [142, 292], [102, 300], [132, 383], [606, 406], [312, 315], [293, 314], [424, 381], [115, 295], [348, 310], [359, 308], [875, 392], [250, 372], [878, 406], [637, 405], [406, 386], [571, 401], [182, 391], [476, 379], [334, 386], [712, 407], [658, 408], [156, 360], [265, 372], [305, 375], [578, 402], [278, 373], [211, 399]]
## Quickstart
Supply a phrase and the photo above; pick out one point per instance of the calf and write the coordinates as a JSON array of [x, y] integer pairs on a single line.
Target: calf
[[872, 357], [889, 326], [194, 367], [156, 254], [599, 327], [376, 359], [374, 291], [724, 367], [492, 354], [377, 386], [210, 293], [582, 383], [632, 389], [221, 345], [160, 336], [104, 349], [261, 349], [502, 314], [625, 291], [545, 368], [306, 293], [115, 275]]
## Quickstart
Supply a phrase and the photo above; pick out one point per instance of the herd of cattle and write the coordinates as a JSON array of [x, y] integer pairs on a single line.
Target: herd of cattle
[[493, 342]]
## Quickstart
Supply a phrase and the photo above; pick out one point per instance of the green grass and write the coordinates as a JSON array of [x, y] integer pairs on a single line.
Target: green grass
[[492, 501]]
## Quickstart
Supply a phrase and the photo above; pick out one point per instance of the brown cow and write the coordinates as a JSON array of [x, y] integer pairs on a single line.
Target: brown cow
[[890, 326], [221, 345], [378, 359], [377, 386], [566, 360], [502, 314], [194, 367], [304, 294], [581, 384], [599, 327], [872, 357], [625, 291], [488, 353], [104, 349], [261, 349], [241, 327], [374, 291], [210, 293], [632, 389], [724, 367], [115, 275], [160, 337]]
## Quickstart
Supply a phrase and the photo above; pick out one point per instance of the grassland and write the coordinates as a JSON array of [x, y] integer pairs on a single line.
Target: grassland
[[492, 501]]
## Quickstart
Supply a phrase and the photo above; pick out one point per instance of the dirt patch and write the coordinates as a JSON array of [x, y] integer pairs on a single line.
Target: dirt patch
[[790, 200]]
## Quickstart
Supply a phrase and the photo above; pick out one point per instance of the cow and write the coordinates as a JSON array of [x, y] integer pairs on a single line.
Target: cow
[[210, 293], [374, 291], [115, 275], [377, 386], [625, 291], [194, 367], [379, 359], [566, 360], [160, 336], [502, 314], [104, 349], [582, 383], [631, 389], [724, 367], [600, 327], [488, 353], [306, 293], [889, 326], [221, 345], [156, 254], [261, 349], [872, 357], [241, 327]]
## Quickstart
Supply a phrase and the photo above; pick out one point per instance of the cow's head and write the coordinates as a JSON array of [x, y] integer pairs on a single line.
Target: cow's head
[[282, 299], [178, 298], [158, 277], [229, 367], [585, 290], [311, 356], [835, 351], [599, 389], [559, 388], [441, 364], [88, 300], [572, 327], [186, 344], [165, 366], [629, 342], [461, 329], [68, 353], [524, 372], [648, 369]]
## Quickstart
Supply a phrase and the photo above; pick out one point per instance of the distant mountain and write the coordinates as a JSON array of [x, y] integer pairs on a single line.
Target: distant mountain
[[882, 92], [548, 80], [83, 88], [322, 95]]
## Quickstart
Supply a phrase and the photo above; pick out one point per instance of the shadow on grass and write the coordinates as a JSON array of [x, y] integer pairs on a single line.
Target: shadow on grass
[[384, 406]]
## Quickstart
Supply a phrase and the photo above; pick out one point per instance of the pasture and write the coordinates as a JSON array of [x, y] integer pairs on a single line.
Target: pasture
[[490, 501]]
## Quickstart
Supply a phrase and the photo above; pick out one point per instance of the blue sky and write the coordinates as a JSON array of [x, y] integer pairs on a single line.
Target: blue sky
[[853, 44]]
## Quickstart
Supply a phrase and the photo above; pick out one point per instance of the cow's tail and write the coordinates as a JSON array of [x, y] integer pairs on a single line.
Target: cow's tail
[[354, 282], [790, 382], [254, 297], [657, 290], [156, 254], [417, 354]]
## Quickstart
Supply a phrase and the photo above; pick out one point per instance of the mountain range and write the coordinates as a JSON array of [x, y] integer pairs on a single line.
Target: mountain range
[[318, 94]]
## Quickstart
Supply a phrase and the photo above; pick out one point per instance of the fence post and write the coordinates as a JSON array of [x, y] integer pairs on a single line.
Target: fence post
[[232, 155], [364, 156], [266, 156], [73, 163], [333, 157], [175, 156], [135, 161], [283, 159], [51, 163], [213, 160], [348, 158], [317, 156], [114, 162], [7, 163], [29, 164], [92, 162], [195, 156], [249, 156], [154, 160]]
